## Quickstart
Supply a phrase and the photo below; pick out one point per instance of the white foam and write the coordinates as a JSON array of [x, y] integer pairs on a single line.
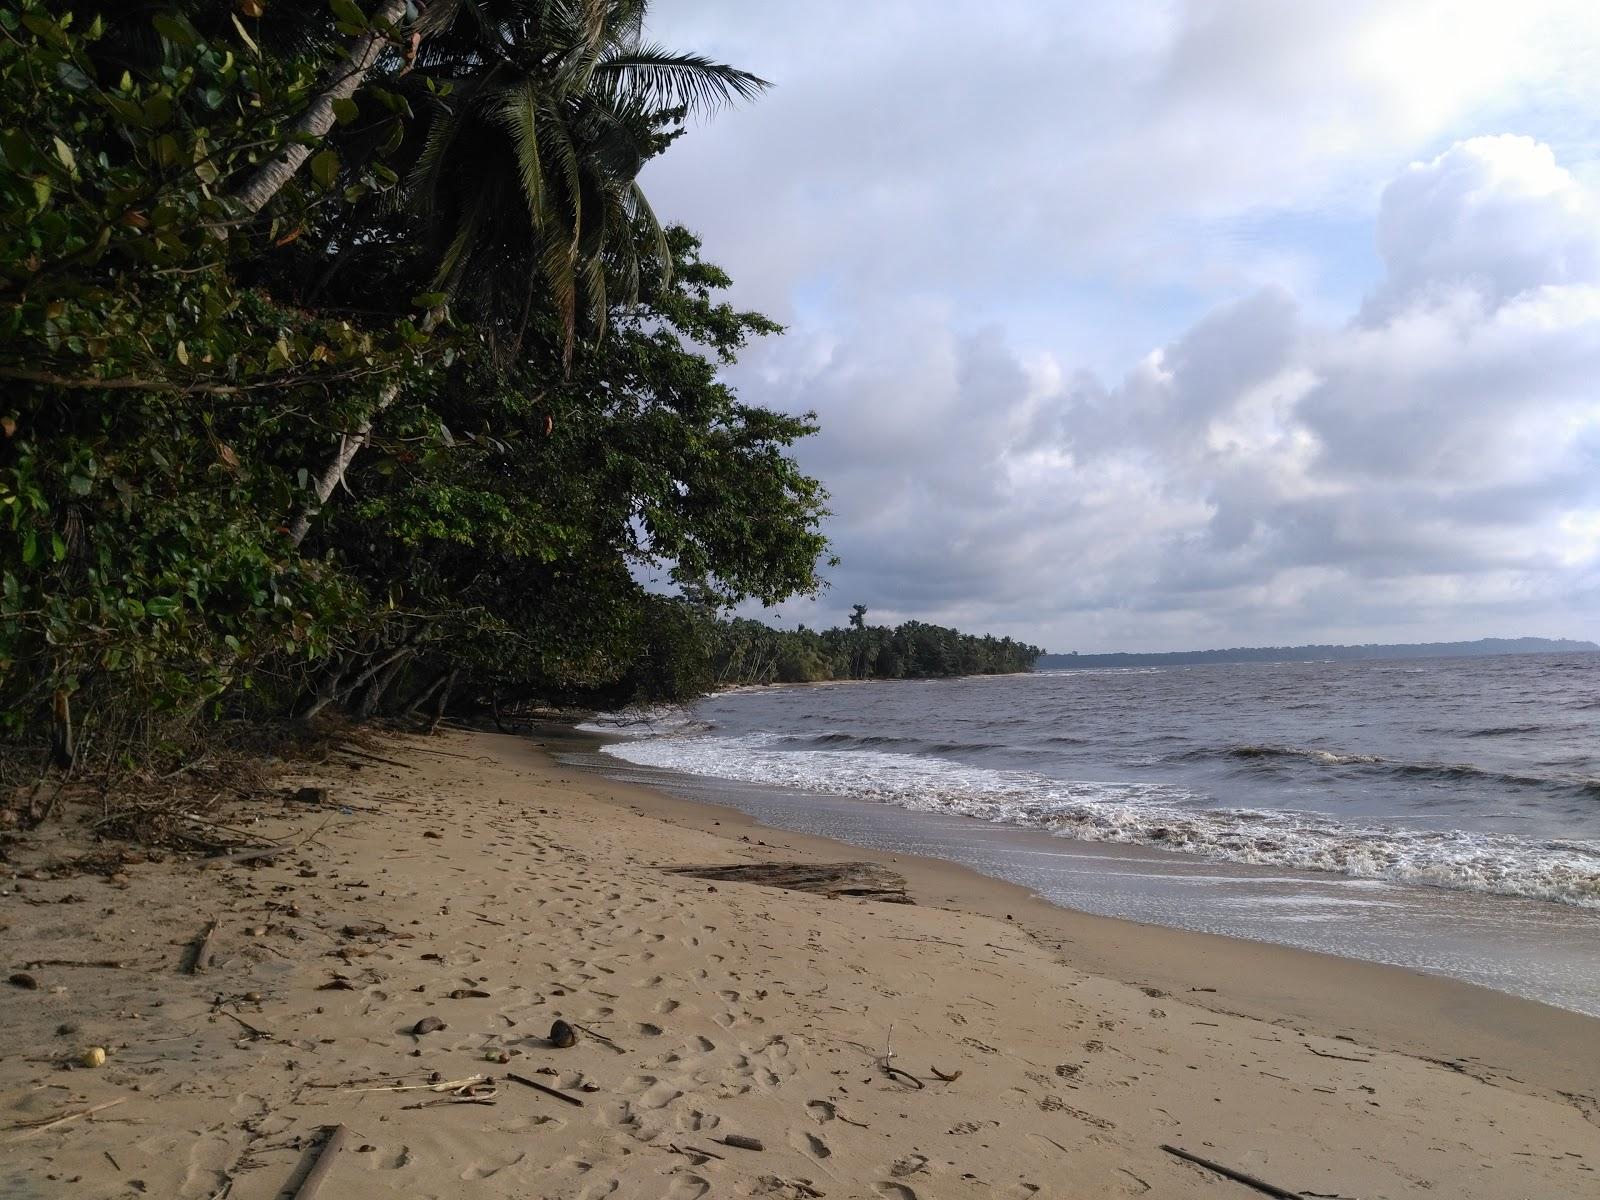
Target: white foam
[[1146, 814]]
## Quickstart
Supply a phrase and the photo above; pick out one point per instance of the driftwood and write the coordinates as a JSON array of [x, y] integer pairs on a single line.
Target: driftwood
[[312, 1184], [28, 1130], [1340, 1057], [202, 949], [377, 758], [865, 879], [1260, 1185], [548, 1091], [740, 1142]]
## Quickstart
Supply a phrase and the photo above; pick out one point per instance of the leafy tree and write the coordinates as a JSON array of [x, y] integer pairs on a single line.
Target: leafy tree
[[186, 389]]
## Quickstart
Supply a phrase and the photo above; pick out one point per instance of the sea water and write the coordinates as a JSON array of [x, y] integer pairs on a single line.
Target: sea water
[[1440, 814]]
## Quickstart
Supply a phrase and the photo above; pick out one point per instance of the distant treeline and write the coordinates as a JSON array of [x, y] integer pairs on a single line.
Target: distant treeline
[[702, 652], [1483, 646]]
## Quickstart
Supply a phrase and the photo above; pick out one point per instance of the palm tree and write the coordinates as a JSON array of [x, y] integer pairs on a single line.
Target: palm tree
[[528, 172], [344, 79], [553, 110]]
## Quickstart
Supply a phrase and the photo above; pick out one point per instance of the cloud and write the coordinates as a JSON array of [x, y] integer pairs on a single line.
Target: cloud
[[1369, 414], [1425, 469]]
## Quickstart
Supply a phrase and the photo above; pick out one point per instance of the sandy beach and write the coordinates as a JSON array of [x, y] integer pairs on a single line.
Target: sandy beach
[[1038, 1052]]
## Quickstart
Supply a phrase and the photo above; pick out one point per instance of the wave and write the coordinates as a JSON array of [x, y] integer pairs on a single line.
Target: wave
[[1433, 771], [836, 740], [1155, 815]]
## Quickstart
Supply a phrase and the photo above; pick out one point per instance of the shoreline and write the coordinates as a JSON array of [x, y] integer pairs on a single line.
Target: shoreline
[[1426, 1014], [468, 877]]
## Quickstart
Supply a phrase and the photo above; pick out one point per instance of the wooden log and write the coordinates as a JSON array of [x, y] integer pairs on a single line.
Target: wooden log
[[1260, 1185], [202, 949], [867, 880], [311, 1185]]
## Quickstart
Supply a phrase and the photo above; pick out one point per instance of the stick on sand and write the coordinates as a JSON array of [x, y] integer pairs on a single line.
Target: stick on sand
[[1260, 1185]]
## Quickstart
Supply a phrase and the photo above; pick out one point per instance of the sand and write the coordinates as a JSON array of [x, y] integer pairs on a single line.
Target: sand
[[1076, 1046]]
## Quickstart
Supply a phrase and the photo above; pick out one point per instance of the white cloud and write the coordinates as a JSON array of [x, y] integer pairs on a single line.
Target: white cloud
[[1373, 411]]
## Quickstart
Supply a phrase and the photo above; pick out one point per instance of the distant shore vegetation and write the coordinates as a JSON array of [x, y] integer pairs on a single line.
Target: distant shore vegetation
[[1312, 653], [347, 368], [700, 652]]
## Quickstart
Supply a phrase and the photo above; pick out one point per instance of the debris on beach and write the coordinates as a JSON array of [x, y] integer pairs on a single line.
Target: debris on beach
[[865, 880]]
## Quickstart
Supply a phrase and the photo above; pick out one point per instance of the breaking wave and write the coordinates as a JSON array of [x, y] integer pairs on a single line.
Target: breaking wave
[[1148, 814]]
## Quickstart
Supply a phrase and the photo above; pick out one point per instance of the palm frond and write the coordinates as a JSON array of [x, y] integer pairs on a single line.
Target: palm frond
[[665, 79]]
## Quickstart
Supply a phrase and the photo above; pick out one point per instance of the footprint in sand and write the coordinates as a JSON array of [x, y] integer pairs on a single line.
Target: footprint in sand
[[392, 1160], [694, 1121], [894, 1191], [687, 1187], [810, 1143], [484, 1170]]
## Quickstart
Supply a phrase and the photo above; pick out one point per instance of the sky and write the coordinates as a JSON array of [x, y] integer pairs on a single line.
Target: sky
[[1173, 324]]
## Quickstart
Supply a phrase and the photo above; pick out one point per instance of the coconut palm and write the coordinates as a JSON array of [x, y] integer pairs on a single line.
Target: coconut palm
[[553, 109], [526, 180]]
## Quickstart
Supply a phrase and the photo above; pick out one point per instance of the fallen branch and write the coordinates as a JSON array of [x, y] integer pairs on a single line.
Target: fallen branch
[[392, 762], [548, 1091], [446, 1085], [249, 1028], [1340, 1057], [39, 1127], [111, 964], [694, 1150], [312, 1184], [1260, 1185], [888, 1067], [599, 1037], [866, 880]]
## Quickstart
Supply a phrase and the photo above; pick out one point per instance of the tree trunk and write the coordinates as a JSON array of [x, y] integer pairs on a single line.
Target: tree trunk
[[443, 699], [380, 685], [332, 473], [313, 124], [63, 750], [426, 693]]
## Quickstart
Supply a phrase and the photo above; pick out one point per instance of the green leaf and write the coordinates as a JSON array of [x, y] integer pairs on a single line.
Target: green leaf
[[176, 30], [348, 12], [428, 299], [80, 485], [345, 110], [161, 606], [325, 168], [64, 153], [248, 40]]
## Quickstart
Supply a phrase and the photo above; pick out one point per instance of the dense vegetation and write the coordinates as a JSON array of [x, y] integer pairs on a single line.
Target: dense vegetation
[[702, 651], [346, 364], [347, 367]]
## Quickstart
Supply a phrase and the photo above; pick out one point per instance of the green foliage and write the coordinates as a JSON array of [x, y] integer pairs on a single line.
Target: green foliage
[[728, 652], [189, 390]]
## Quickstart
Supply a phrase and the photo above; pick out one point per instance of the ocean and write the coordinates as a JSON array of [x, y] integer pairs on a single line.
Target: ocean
[[1438, 814]]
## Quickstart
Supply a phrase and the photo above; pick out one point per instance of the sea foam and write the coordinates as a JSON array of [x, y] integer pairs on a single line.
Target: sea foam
[[1145, 814]]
